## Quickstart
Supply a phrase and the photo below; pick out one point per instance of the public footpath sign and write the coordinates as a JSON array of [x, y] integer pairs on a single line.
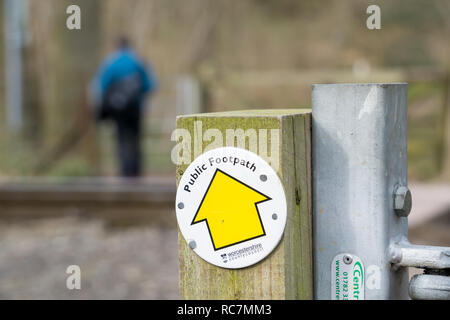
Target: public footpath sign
[[231, 207]]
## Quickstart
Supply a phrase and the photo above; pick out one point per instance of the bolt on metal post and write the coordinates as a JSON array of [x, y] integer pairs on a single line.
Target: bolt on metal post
[[402, 201]]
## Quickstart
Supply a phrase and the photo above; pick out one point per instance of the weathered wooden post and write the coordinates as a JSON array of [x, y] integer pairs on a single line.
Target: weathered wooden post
[[282, 138]]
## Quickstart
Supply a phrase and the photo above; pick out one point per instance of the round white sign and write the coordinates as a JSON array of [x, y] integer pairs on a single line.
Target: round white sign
[[231, 207]]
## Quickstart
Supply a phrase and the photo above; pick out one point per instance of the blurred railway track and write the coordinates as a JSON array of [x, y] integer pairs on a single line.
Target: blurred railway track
[[116, 200], [150, 201]]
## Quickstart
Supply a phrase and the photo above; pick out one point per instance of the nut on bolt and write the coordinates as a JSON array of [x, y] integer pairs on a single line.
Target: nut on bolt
[[402, 201]]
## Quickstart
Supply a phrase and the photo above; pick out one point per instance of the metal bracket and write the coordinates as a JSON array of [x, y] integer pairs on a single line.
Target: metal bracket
[[405, 254], [430, 287], [434, 284]]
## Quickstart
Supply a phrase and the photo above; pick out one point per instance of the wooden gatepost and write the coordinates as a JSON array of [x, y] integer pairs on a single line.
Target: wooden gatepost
[[283, 139]]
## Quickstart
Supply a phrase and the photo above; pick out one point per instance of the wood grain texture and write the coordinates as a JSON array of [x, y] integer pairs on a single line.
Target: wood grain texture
[[287, 272]]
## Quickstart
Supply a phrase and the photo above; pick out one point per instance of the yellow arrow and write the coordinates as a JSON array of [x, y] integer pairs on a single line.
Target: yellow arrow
[[229, 208]]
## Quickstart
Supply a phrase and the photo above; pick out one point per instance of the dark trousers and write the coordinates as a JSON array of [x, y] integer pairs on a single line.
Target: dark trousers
[[129, 141]]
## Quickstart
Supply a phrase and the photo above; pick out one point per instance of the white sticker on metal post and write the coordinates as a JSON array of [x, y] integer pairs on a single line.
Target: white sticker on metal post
[[231, 207], [347, 277]]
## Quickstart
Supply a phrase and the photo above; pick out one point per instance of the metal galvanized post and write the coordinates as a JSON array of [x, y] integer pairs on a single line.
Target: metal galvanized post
[[360, 196]]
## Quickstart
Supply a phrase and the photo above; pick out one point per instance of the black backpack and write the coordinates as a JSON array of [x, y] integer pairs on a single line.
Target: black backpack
[[121, 96]]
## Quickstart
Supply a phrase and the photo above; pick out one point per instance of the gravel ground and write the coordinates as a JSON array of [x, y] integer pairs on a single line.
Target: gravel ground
[[132, 263]]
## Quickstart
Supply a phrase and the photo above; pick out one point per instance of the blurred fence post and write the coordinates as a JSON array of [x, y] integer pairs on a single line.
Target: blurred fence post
[[444, 132], [287, 272], [13, 64], [188, 95]]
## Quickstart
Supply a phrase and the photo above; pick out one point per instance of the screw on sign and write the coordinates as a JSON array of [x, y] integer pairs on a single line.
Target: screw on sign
[[231, 207]]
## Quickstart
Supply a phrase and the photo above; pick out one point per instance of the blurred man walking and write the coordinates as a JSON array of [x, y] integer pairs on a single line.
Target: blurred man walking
[[119, 88]]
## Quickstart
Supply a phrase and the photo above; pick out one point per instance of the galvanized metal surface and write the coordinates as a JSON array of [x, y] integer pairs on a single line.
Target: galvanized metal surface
[[360, 158], [430, 287]]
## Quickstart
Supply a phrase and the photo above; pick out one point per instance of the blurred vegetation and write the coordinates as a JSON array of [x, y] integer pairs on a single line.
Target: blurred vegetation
[[210, 40], [423, 119]]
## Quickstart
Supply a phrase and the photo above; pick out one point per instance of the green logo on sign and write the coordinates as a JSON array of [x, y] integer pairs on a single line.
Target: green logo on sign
[[358, 280]]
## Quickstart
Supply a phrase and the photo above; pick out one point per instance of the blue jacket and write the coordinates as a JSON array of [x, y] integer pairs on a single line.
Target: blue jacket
[[118, 65]]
